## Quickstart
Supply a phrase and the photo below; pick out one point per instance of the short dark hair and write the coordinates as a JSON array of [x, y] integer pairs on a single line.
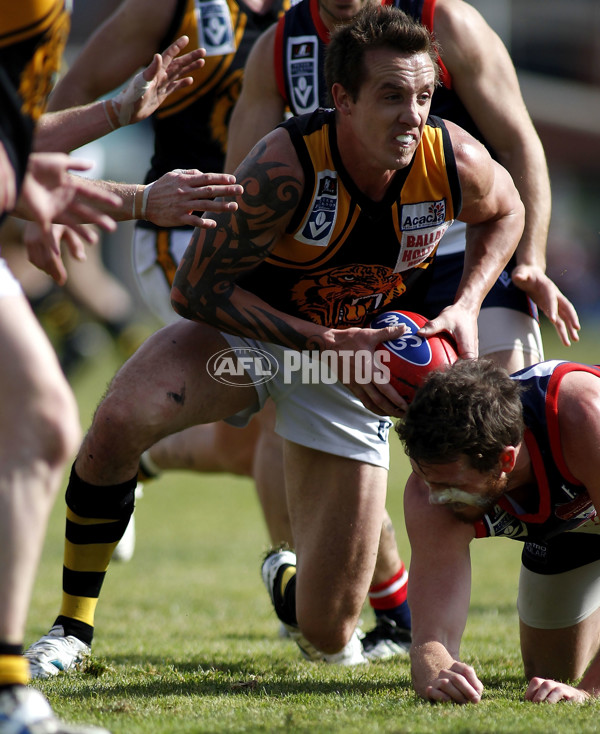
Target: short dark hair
[[374, 26], [472, 409]]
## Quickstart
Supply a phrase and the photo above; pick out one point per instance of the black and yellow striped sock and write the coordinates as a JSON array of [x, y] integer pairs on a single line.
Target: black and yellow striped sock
[[14, 668], [96, 520]]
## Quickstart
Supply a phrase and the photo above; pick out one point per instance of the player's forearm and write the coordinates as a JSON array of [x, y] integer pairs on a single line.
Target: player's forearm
[[529, 171], [489, 248], [132, 199], [219, 302], [66, 130]]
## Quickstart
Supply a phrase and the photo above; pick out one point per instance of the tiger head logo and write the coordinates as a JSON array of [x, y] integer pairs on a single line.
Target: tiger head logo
[[348, 295]]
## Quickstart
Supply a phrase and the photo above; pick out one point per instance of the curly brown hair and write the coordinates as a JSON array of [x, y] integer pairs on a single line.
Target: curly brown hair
[[471, 409]]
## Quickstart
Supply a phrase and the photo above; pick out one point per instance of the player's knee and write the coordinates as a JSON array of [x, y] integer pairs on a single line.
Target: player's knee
[[55, 428], [117, 424], [328, 634]]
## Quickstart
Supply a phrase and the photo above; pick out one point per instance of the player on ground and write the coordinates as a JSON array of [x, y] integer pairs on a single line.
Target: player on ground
[[514, 457]]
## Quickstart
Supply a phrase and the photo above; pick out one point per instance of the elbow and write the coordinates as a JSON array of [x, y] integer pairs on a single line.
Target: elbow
[[181, 298]]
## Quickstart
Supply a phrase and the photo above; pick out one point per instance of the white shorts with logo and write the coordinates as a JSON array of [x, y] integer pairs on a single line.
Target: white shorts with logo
[[326, 417]]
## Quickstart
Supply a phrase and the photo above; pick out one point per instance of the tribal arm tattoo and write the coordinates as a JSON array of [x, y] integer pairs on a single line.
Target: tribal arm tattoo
[[204, 288]]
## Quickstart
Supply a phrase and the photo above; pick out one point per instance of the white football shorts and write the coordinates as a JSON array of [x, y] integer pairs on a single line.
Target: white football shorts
[[326, 417], [505, 329], [156, 255]]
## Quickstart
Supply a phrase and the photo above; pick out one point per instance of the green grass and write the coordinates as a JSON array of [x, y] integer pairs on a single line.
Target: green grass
[[186, 639]]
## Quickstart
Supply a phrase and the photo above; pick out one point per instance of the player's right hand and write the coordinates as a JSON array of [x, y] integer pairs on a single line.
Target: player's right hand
[[457, 684]]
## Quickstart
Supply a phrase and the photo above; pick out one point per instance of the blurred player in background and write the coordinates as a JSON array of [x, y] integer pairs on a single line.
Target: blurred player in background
[[39, 423]]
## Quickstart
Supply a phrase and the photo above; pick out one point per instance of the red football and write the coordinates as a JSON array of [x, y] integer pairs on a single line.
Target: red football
[[412, 357]]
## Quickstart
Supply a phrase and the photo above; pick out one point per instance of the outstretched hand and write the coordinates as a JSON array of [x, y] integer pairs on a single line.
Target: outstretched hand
[[50, 194], [549, 298], [167, 73], [175, 196]]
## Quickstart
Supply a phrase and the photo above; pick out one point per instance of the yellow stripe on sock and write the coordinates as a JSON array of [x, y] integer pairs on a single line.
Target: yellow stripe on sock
[[286, 577], [92, 557], [78, 520], [82, 608], [14, 669]]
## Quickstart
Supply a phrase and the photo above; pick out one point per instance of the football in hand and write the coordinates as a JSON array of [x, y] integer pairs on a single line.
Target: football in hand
[[411, 357]]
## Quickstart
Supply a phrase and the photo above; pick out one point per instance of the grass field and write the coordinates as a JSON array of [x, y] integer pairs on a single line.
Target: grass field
[[186, 640]]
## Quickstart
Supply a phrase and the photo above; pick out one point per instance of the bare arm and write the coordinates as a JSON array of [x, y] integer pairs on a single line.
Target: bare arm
[[204, 288], [65, 130], [260, 107], [8, 182], [485, 80], [494, 214], [171, 200], [439, 589]]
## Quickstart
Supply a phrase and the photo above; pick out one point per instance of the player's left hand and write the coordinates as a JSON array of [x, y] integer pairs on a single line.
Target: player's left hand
[[549, 298], [551, 691], [460, 324]]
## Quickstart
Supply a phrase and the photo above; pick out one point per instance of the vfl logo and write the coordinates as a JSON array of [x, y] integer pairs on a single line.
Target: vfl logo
[[228, 365], [303, 65], [505, 279], [320, 220], [215, 29], [501, 523], [409, 347]]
